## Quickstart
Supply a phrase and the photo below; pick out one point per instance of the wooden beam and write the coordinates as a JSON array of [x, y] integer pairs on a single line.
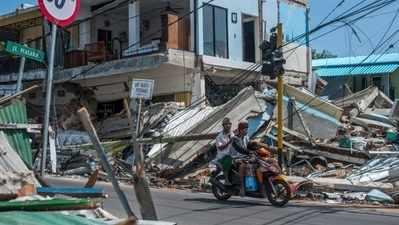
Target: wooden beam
[[20, 126], [8, 98], [192, 137]]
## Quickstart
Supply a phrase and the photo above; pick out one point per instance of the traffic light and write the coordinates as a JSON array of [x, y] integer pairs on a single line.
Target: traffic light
[[272, 57]]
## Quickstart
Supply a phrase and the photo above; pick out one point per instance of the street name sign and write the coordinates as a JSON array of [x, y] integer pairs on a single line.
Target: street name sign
[[21, 50], [142, 88]]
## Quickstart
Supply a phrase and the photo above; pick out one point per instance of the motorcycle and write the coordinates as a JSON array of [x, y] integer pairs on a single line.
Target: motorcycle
[[275, 186]]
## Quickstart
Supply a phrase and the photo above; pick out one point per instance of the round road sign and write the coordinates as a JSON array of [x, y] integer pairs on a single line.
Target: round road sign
[[60, 12]]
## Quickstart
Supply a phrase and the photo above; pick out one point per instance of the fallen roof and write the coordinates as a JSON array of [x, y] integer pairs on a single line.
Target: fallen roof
[[242, 106], [18, 138], [13, 171]]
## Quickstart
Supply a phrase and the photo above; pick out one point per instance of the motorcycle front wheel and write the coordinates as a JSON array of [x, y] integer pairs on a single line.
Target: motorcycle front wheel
[[219, 193], [282, 193]]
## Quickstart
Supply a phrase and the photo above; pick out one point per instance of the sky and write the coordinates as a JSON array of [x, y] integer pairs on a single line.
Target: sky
[[342, 42]]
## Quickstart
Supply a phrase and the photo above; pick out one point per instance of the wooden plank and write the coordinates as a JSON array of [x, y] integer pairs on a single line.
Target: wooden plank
[[185, 138], [293, 147], [8, 98], [20, 126], [85, 119]]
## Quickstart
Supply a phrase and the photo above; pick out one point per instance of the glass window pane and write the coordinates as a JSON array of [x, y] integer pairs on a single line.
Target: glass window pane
[[208, 30], [221, 34]]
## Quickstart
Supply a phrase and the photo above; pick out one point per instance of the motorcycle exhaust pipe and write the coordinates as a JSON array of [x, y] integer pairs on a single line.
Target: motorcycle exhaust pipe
[[217, 184]]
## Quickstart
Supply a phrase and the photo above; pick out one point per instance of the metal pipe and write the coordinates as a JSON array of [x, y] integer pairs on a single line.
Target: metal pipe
[[49, 88]]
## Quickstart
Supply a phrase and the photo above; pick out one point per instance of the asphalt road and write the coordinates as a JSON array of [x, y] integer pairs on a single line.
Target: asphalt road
[[202, 209]]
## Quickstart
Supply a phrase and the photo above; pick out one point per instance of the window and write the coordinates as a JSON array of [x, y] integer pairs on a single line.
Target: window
[[215, 43]]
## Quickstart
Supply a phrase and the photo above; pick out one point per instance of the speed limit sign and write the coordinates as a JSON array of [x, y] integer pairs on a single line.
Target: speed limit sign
[[60, 12]]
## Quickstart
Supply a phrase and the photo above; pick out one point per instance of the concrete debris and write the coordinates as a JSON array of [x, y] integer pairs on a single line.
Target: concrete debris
[[72, 137], [341, 151], [379, 196], [155, 118]]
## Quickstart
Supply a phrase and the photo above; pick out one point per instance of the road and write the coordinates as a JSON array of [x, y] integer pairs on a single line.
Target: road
[[187, 208]]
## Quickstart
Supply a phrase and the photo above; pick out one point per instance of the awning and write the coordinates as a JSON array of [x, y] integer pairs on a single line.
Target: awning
[[354, 70]]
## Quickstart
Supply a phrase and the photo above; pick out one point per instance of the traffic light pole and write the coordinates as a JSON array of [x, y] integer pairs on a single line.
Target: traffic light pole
[[280, 101]]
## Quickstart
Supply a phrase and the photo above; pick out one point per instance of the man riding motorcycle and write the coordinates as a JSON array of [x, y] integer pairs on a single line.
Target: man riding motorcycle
[[223, 159]]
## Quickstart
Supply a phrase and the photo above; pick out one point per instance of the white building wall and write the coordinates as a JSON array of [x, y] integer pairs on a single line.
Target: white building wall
[[248, 7]]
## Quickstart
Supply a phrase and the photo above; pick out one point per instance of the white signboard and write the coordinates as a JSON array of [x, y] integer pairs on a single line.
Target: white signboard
[[142, 88]]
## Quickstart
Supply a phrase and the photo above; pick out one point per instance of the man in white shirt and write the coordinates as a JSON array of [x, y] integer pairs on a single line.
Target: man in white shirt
[[223, 146]]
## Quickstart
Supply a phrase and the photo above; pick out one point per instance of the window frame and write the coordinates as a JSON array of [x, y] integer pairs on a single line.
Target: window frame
[[214, 30]]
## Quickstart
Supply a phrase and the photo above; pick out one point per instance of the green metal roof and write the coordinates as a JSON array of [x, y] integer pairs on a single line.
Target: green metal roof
[[44, 218], [353, 70], [18, 139]]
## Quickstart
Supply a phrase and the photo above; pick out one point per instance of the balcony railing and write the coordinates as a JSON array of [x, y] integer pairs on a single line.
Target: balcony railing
[[10, 64]]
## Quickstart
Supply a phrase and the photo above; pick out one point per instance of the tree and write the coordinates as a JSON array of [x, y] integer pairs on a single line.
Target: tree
[[322, 55]]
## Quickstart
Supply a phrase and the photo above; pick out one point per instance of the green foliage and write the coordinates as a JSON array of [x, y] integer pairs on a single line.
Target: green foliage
[[322, 55]]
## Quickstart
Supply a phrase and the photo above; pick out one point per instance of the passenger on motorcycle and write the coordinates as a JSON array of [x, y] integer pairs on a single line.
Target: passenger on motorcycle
[[239, 150], [223, 159]]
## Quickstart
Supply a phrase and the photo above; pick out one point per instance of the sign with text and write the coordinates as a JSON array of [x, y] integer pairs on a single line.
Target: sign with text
[[21, 50], [60, 12], [142, 88]]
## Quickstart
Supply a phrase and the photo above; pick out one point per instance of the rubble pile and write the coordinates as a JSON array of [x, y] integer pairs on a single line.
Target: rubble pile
[[347, 149]]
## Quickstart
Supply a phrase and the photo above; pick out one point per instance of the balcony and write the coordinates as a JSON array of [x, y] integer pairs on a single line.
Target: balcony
[[10, 64]]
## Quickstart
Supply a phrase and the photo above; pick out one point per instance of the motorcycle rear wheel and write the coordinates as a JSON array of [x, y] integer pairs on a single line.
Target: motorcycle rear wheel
[[282, 196], [217, 192]]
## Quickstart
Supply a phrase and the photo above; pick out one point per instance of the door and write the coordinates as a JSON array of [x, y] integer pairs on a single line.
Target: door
[[249, 41], [106, 37]]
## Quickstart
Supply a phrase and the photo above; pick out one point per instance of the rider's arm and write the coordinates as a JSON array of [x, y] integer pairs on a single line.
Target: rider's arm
[[221, 143], [238, 147]]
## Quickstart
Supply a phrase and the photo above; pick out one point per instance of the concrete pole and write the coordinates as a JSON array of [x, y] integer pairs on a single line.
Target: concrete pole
[[134, 25], [49, 88], [20, 74], [311, 79]]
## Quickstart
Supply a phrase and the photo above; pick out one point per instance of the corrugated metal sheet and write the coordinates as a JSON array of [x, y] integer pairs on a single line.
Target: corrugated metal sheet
[[180, 123], [45, 218], [19, 139], [373, 59], [13, 171], [354, 70]]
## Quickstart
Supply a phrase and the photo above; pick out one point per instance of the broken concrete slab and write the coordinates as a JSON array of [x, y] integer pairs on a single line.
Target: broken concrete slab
[[307, 98], [379, 196], [368, 123]]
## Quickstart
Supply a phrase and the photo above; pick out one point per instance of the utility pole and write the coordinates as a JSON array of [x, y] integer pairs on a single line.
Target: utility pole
[[280, 100], [141, 187], [272, 65], [308, 54]]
